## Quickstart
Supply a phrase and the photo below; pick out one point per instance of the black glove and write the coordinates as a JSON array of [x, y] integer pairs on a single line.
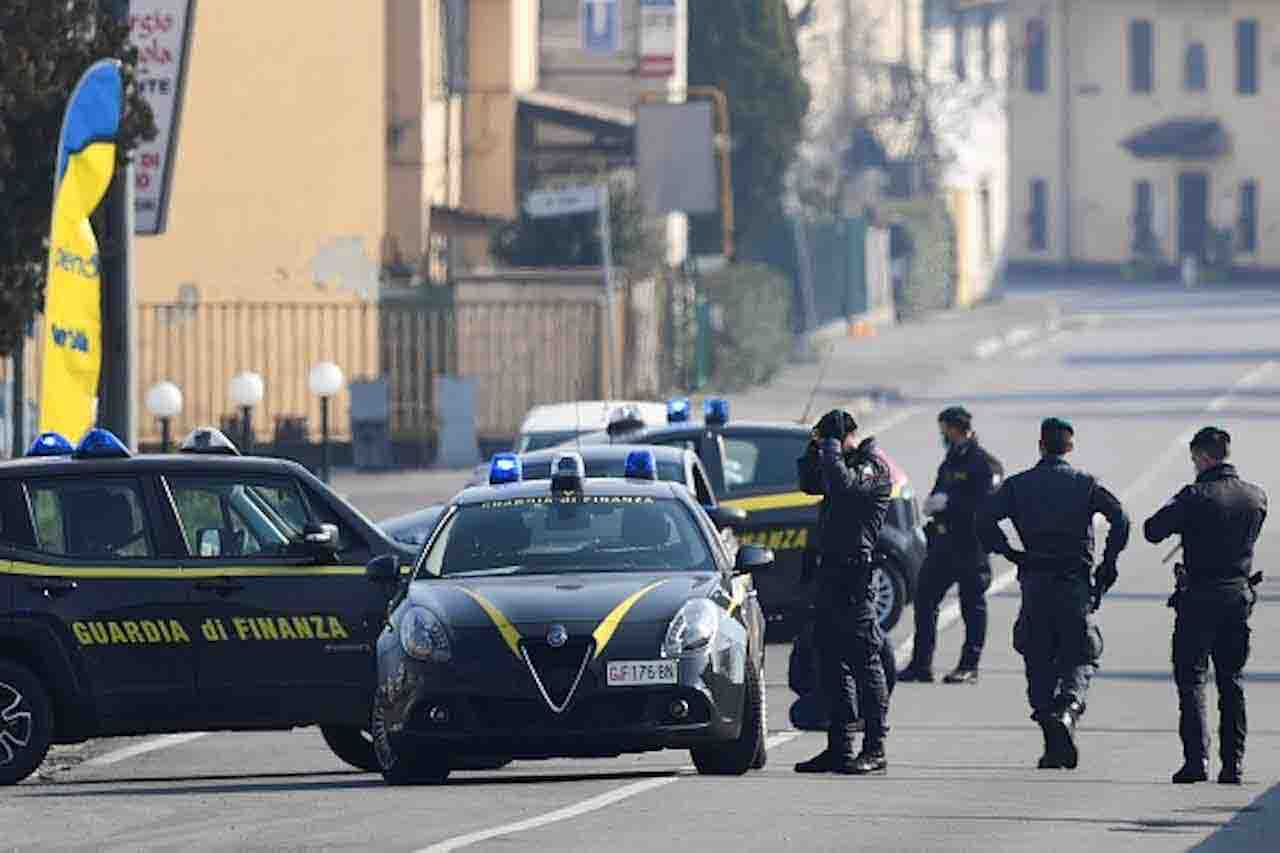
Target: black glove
[[1104, 577]]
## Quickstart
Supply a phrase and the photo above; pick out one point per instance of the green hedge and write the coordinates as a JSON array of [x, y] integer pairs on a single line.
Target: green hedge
[[930, 284], [755, 339]]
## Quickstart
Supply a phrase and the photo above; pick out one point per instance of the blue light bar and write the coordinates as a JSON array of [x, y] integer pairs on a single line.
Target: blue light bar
[[101, 444], [505, 468], [715, 411], [641, 465], [678, 410], [50, 444]]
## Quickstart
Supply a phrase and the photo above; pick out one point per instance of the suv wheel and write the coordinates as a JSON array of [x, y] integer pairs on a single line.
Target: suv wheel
[[353, 745], [26, 723], [405, 767], [889, 591], [736, 757]]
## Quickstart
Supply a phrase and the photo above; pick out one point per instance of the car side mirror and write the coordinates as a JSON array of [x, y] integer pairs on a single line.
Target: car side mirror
[[726, 516], [383, 569], [209, 542], [320, 540], [753, 558]]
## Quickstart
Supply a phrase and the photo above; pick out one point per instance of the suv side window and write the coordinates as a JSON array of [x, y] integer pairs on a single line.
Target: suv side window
[[228, 517], [351, 545], [91, 519], [15, 526], [761, 461]]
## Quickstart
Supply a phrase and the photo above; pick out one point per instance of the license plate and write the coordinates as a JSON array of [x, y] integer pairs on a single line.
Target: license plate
[[640, 673]]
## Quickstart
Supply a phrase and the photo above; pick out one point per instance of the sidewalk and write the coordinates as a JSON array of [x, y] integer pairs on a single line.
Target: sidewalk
[[863, 374]]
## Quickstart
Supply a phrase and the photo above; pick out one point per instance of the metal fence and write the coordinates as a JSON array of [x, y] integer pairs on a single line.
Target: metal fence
[[200, 347]]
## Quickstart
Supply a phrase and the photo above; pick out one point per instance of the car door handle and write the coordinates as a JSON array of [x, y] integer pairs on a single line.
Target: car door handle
[[53, 588], [221, 587]]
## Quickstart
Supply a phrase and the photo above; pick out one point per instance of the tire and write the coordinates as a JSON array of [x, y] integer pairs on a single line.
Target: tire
[[352, 745], [736, 757], [26, 723], [762, 751], [890, 590], [400, 767]]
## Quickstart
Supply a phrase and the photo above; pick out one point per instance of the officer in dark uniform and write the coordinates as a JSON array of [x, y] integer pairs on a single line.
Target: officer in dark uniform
[[1219, 518], [967, 477], [856, 485], [1052, 507]]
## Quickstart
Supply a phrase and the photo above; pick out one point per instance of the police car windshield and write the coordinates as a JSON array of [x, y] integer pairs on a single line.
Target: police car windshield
[[568, 534], [531, 441]]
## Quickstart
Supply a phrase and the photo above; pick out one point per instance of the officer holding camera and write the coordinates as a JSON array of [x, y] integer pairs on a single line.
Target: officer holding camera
[[1219, 518], [855, 485]]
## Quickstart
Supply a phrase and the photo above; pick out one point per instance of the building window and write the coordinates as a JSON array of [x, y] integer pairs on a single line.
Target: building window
[[1248, 225], [1141, 59], [986, 45], [1144, 236], [1196, 76], [1247, 57], [1037, 56], [1038, 218], [960, 60]]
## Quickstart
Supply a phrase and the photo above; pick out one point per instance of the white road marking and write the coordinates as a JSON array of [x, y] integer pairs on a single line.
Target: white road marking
[[988, 348], [150, 745], [950, 613], [581, 808]]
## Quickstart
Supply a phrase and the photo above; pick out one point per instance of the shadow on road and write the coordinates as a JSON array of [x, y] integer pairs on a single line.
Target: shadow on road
[[1170, 357], [299, 782], [1253, 828]]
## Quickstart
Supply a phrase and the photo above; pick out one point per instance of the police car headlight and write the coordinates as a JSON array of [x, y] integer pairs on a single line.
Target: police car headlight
[[423, 636], [693, 628]]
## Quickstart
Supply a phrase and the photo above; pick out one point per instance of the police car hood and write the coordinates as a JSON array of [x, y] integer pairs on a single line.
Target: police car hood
[[475, 602]]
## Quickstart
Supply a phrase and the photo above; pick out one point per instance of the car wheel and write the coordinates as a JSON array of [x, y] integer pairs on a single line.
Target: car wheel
[[735, 757], [26, 723], [403, 767], [353, 745], [889, 591]]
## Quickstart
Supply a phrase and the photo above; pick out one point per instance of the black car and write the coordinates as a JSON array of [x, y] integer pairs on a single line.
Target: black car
[[572, 617], [751, 465], [187, 592], [413, 528]]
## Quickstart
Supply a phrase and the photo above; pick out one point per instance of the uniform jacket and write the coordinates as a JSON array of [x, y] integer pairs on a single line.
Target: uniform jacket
[[856, 488], [1219, 517], [967, 476], [1052, 507]]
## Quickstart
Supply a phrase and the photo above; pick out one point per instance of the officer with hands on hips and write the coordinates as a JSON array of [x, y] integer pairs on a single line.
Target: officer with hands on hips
[[967, 476], [856, 485], [1052, 507], [1219, 518]]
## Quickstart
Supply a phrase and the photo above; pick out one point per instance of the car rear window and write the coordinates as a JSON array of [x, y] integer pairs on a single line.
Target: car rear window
[[531, 441], [90, 519], [761, 461]]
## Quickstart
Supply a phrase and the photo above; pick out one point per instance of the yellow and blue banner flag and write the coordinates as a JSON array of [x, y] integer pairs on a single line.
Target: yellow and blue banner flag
[[73, 313]]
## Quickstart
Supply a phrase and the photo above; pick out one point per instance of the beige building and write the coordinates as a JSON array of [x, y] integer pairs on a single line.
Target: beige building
[[1142, 131]]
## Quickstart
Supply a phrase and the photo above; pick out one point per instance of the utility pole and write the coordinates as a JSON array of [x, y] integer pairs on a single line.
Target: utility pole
[[115, 387]]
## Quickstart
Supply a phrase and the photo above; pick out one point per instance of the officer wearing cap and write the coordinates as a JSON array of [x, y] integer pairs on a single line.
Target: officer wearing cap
[[855, 485], [1052, 507], [967, 476], [1219, 518]]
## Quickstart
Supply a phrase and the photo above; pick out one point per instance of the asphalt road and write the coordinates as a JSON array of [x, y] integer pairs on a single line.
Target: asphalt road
[[1137, 373]]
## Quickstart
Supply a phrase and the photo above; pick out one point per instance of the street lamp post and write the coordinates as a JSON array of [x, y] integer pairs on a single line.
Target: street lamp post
[[326, 380], [164, 401], [247, 390]]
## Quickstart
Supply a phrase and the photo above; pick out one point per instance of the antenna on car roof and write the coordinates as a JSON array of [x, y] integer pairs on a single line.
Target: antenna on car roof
[[822, 374]]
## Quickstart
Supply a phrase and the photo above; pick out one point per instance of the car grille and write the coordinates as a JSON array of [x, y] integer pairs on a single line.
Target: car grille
[[559, 672]]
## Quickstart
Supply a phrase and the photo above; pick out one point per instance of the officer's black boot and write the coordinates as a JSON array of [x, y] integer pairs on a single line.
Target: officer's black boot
[[1231, 774], [1052, 759], [823, 762], [916, 674], [870, 762], [837, 756], [1192, 771], [962, 675], [1062, 722]]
